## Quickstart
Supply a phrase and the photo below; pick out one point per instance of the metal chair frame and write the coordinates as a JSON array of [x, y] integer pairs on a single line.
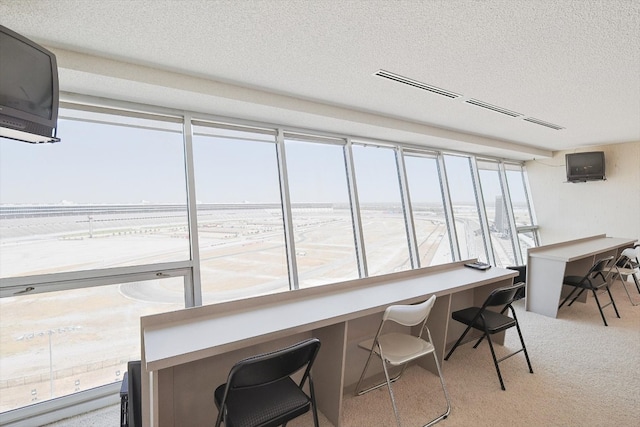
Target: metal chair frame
[[480, 321], [625, 266], [266, 375], [588, 282], [406, 315]]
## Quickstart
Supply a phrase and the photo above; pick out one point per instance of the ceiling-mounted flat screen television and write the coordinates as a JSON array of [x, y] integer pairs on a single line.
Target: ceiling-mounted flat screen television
[[28, 89], [582, 167]]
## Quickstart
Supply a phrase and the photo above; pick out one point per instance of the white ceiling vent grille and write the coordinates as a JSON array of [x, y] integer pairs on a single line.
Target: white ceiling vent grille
[[493, 108], [452, 95], [541, 123], [407, 81]]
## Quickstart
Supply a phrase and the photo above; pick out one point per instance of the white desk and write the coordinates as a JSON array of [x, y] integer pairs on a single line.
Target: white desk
[[547, 266], [187, 353]]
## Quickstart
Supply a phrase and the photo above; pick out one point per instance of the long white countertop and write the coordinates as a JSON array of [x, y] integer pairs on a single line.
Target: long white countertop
[[192, 334], [570, 251]]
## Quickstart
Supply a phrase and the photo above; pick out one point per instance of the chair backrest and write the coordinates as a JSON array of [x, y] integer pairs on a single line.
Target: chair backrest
[[631, 252], [269, 367], [599, 268], [522, 273], [409, 315], [134, 407], [521, 277], [503, 296], [629, 258]]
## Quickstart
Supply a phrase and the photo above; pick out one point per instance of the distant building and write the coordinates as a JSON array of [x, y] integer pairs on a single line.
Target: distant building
[[501, 220]]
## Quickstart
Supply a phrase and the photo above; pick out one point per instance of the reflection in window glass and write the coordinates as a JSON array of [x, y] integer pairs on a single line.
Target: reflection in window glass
[[465, 209], [240, 220], [428, 210], [323, 225], [383, 224], [107, 195], [496, 209], [59, 343]]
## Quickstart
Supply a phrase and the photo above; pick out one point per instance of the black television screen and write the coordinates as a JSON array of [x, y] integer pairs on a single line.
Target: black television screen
[[585, 166], [28, 89]]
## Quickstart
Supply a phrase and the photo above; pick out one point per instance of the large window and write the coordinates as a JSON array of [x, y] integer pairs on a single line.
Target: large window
[[427, 205], [240, 220], [60, 343], [522, 211], [321, 211], [130, 215], [110, 194], [385, 234], [462, 191], [495, 204]]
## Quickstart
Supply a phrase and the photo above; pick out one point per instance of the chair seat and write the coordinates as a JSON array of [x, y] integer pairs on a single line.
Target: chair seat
[[496, 322], [399, 348], [580, 282], [265, 405], [624, 271]]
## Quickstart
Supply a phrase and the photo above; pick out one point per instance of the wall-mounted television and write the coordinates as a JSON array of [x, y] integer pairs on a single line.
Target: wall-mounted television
[[28, 89], [582, 167]]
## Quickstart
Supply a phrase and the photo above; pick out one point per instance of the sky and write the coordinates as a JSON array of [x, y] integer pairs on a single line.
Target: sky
[[104, 163]]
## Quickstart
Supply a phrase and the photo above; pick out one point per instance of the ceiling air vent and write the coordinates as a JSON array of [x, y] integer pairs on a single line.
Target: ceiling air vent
[[541, 123], [493, 108], [415, 83]]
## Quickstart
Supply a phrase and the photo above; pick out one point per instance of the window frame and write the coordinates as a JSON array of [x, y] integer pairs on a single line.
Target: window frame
[[189, 270]]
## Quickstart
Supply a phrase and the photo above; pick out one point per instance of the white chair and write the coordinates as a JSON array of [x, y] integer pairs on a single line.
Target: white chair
[[397, 349], [627, 265]]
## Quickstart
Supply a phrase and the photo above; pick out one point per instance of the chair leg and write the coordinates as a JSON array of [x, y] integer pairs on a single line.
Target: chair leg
[[479, 341], [635, 279], [446, 394], [599, 307], [495, 361], [393, 401], [364, 371], [524, 348], [568, 296], [624, 285], [457, 343], [576, 297], [312, 392], [359, 392], [613, 303]]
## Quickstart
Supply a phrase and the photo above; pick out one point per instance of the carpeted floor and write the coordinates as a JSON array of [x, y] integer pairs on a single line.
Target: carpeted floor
[[585, 374]]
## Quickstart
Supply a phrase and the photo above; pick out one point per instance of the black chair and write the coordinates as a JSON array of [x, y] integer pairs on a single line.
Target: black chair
[[259, 391], [134, 407], [491, 322], [521, 277], [595, 280], [124, 401], [131, 395]]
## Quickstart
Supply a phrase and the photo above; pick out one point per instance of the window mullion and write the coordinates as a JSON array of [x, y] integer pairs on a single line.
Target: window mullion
[[506, 197], [448, 209], [355, 211], [407, 210], [289, 237], [482, 211], [527, 192], [193, 288]]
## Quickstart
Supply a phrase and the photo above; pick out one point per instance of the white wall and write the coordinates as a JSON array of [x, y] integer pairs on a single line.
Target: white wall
[[573, 210]]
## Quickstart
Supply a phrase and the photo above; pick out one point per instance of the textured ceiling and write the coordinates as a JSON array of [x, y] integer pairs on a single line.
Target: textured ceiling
[[575, 64]]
